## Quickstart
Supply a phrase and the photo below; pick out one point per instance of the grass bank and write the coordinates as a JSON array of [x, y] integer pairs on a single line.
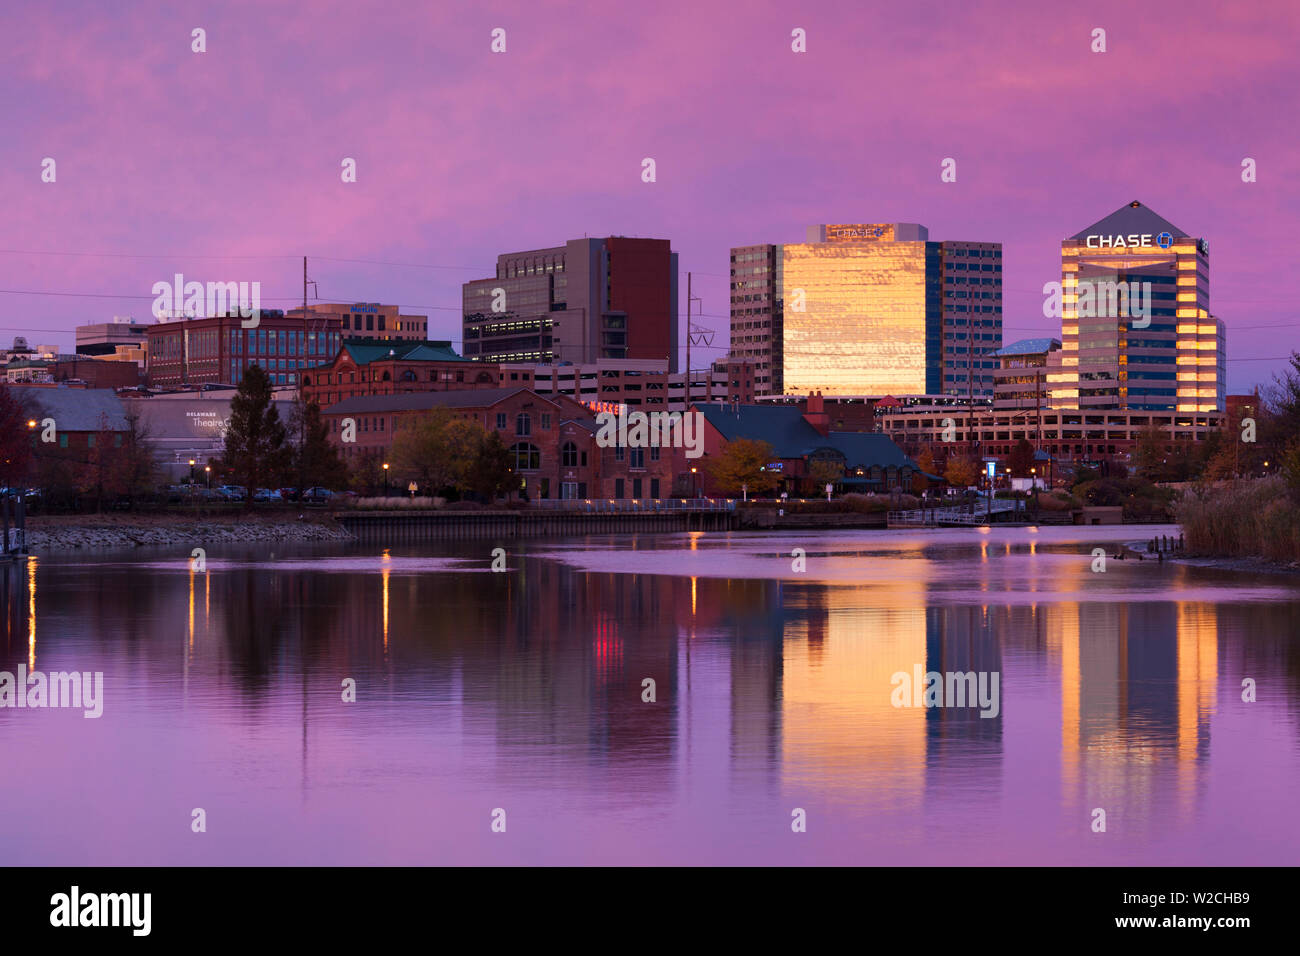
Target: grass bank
[[1241, 519]]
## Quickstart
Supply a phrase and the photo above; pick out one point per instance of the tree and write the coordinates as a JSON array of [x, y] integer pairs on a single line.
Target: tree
[[488, 474], [428, 449], [925, 460], [135, 467], [962, 471], [743, 464], [95, 474], [1021, 459], [822, 473], [255, 436], [1150, 454], [316, 462], [15, 441]]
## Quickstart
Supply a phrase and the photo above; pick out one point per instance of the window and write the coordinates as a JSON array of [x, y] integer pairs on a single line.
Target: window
[[636, 459], [525, 457], [654, 456], [501, 421], [569, 455], [618, 456], [523, 424], [546, 423]]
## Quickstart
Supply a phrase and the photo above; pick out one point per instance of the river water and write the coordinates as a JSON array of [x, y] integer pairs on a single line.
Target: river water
[[777, 734]]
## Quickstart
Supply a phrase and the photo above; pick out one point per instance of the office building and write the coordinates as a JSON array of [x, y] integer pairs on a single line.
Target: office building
[[370, 320], [868, 309], [219, 349], [640, 383], [1136, 326], [103, 338], [584, 301]]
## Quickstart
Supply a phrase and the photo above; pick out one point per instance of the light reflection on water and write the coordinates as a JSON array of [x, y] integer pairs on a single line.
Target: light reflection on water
[[523, 690]]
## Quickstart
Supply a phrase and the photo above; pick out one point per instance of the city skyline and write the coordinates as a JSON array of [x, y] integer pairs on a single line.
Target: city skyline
[[442, 184]]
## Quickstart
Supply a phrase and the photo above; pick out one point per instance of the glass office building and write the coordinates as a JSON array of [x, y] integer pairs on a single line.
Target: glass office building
[[1136, 327], [870, 309]]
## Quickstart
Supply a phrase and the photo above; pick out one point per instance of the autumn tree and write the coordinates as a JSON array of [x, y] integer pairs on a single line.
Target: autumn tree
[[430, 450], [962, 471], [822, 473], [743, 463], [15, 441]]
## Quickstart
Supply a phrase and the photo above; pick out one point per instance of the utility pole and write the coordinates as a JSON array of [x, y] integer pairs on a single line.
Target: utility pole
[[1038, 407], [688, 342]]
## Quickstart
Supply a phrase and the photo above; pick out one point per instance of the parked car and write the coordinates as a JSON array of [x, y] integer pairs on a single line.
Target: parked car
[[232, 492], [266, 494], [289, 494], [317, 496]]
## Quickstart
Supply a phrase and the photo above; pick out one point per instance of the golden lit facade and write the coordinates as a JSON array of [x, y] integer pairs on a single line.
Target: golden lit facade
[[862, 315], [1136, 329]]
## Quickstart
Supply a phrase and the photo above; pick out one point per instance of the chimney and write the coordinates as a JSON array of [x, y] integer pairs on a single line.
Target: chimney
[[816, 414]]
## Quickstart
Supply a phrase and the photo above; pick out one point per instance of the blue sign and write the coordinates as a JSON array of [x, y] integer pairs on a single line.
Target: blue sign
[[1164, 240]]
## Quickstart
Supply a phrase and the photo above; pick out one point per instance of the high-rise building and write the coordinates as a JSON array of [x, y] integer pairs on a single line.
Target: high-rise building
[[869, 309], [589, 299], [1136, 327]]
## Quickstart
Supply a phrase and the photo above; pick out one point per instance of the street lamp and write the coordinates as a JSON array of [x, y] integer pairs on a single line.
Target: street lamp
[[385, 479], [207, 471], [695, 494], [191, 471]]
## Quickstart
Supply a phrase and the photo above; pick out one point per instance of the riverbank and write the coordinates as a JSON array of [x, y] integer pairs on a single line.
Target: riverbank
[[53, 533]]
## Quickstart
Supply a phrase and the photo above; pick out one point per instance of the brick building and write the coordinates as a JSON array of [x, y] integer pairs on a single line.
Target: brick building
[[96, 373], [217, 350], [372, 367], [552, 440]]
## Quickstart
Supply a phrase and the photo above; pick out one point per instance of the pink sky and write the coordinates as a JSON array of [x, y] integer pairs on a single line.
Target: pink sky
[[171, 156]]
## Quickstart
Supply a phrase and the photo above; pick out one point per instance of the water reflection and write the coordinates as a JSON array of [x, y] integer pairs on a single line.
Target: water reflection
[[771, 691]]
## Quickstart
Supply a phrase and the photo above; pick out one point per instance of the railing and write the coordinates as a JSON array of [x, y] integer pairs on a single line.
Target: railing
[[632, 505], [976, 513]]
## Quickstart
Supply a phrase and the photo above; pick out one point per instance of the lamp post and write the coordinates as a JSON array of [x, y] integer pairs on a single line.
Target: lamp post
[[207, 471], [694, 494], [1033, 482], [192, 494], [385, 479]]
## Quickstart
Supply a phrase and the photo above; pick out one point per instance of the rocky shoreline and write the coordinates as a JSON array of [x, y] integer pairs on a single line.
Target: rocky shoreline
[[65, 533]]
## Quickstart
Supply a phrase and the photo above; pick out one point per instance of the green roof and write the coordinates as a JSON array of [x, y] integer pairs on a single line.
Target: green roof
[[365, 351]]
